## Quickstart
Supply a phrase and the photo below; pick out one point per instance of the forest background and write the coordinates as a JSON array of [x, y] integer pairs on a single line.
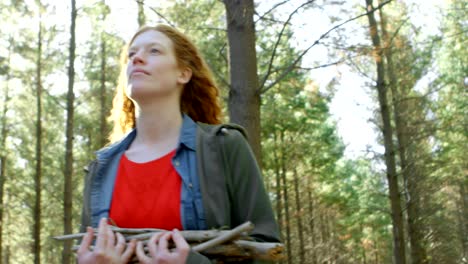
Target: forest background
[[356, 111]]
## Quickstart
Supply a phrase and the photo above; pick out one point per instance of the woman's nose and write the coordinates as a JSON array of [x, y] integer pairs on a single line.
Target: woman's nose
[[137, 58]]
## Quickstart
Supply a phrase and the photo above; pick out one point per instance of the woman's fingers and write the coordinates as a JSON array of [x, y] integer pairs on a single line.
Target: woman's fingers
[[158, 246], [181, 244], [141, 253], [152, 244], [101, 241], [86, 242], [129, 250], [109, 248], [163, 243], [120, 246], [110, 238]]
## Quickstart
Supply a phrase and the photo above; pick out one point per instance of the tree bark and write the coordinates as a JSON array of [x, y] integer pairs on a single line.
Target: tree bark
[[325, 234], [279, 205], [300, 229], [363, 249], [286, 199], [68, 173], [3, 152], [38, 173], [244, 96], [397, 214], [6, 257], [141, 13], [463, 217], [3, 162], [409, 171], [279, 196], [102, 95], [312, 219], [376, 250]]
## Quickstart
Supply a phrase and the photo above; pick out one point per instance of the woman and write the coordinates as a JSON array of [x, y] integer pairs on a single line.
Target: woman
[[174, 166]]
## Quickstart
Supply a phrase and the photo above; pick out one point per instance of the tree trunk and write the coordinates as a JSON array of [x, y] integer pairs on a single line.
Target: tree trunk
[[6, 257], [363, 249], [397, 215], [279, 197], [279, 206], [286, 199], [38, 174], [68, 173], [376, 250], [244, 96], [411, 174], [463, 216], [3, 151], [324, 241], [300, 229], [141, 13], [3, 162], [102, 95], [312, 220]]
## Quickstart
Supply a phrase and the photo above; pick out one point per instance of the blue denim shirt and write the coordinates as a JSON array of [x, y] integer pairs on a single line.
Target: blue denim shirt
[[184, 161]]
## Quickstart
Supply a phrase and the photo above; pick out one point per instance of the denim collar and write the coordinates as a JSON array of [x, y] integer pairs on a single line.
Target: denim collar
[[187, 133], [186, 138]]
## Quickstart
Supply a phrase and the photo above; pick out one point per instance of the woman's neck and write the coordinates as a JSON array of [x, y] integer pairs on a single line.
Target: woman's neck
[[158, 122]]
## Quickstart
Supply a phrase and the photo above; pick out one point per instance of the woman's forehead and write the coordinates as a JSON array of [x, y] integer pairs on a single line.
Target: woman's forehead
[[150, 37]]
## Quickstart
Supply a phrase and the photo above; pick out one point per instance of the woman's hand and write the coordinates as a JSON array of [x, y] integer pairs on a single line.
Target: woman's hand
[[107, 249], [158, 247]]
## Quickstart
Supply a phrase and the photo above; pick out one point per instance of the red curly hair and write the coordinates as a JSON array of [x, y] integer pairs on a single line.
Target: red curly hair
[[199, 98]]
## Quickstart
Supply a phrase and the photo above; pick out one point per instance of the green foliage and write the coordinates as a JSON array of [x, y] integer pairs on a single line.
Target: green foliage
[[451, 137]]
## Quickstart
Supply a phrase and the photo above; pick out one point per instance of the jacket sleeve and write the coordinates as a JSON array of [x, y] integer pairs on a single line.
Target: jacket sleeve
[[85, 212], [249, 200]]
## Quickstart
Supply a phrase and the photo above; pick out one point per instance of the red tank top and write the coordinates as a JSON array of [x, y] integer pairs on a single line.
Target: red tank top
[[147, 195]]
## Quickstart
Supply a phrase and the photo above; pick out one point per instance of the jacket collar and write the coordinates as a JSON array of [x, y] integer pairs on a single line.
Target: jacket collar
[[187, 133], [186, 138]]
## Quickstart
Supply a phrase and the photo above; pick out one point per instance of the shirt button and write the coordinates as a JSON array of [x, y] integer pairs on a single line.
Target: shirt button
[[177, 163], [190, 185]]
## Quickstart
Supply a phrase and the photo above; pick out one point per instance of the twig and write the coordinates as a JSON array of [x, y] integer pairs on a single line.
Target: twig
[[252, 249], [190, 236], [113, 228], [141, 234], [246, 227], [226, 245], [157, 13], [264, 89], [260, 17], [272, 57], [239, 249]]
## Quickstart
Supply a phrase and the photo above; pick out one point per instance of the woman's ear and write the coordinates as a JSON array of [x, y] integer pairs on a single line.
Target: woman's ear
[[185, 75]]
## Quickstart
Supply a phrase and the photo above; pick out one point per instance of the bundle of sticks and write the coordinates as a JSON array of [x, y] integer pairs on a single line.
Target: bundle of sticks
[[219, 245]]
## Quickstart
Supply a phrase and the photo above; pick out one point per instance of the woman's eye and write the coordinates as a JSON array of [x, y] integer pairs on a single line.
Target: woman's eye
[[154, 50], [130, 54]]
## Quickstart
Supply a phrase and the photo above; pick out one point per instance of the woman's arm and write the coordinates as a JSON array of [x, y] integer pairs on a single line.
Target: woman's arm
[[249, 200]]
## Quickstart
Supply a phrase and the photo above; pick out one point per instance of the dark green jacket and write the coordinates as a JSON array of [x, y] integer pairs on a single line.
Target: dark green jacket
[[230, 182]]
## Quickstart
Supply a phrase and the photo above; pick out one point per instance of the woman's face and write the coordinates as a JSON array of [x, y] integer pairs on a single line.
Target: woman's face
[[152, 68]]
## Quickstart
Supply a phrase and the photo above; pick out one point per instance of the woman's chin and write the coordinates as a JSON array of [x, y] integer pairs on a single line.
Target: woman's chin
[[145, 94]]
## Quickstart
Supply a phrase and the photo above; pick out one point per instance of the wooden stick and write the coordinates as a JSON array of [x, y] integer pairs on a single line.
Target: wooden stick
[[221, 244], [189, 235], [113, 228], [239, 249], [230, 235], [263, 250], [136, 230]]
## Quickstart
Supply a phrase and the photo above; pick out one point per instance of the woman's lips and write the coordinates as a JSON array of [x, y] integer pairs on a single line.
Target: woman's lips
[[139, 72]]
